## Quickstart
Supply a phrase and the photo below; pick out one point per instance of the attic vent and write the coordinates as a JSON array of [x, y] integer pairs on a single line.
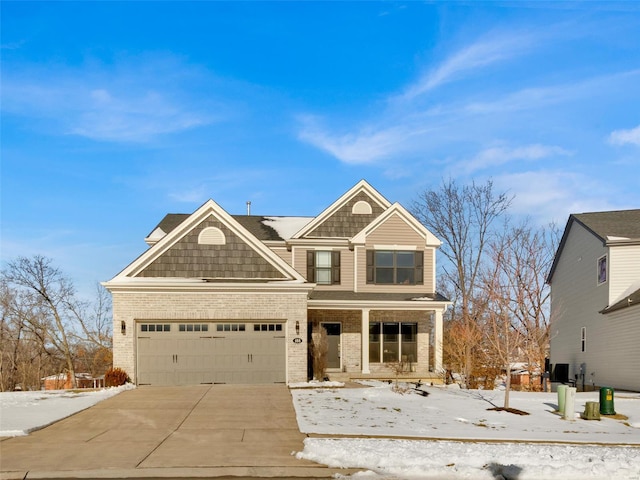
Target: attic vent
[[361, 208], [212, 236]]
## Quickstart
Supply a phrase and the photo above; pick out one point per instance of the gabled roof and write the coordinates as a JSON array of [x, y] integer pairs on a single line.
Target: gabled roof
[[397, 209], [263, 228], [180, 226], [619, 226], [361, 187], [615, 225]]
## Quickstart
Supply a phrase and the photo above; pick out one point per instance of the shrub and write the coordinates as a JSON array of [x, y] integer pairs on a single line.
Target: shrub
[[114, 377]]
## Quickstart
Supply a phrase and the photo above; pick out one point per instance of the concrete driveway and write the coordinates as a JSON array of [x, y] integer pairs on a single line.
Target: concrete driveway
[[169, 432]]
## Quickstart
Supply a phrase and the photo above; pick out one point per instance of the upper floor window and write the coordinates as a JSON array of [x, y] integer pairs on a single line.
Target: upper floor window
[[323, 267], [395, 267], [602, 269]]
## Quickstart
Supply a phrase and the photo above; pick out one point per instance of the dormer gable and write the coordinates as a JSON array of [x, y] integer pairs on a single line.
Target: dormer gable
[[348, 215], [397, 212]]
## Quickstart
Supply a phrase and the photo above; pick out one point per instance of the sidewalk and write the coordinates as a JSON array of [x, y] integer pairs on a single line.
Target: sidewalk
[[170, 432]]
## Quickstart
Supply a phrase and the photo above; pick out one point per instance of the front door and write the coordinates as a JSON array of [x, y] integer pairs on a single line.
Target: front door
[[333, 340]]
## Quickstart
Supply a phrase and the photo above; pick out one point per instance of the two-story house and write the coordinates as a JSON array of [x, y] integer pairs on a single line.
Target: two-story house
[[220, 298], [595, 301]]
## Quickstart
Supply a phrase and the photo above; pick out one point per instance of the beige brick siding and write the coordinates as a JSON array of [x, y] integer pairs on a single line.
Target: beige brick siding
[[132, 307]]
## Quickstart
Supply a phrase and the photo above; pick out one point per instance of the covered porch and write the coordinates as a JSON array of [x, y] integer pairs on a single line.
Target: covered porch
[[379, 336]]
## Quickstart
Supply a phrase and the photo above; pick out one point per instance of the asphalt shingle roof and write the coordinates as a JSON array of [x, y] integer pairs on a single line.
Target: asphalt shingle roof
[[617, 223], [343, 295], [254, 223], [620, 223]]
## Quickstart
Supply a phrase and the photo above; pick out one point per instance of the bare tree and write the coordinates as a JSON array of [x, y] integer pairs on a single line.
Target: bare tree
[[94, 340], [51, 296], [501, 335], [463, 218], [528, 253], [25, 352]]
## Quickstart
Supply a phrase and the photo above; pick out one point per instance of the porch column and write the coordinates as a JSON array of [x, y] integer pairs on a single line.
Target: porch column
[[365, 340], [437, 341]]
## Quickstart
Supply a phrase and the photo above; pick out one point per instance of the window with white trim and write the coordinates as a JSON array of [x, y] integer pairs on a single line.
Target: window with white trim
[[602, 269]]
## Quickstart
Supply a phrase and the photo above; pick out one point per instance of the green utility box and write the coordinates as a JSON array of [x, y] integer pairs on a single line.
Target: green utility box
[[606, 401], [562, 394]]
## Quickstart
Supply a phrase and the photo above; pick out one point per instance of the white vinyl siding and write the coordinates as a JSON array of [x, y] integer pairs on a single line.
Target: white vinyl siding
[[618, 357], [624, 269]]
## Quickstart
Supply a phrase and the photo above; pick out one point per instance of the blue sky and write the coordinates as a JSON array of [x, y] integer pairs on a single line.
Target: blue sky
[[115, 113]]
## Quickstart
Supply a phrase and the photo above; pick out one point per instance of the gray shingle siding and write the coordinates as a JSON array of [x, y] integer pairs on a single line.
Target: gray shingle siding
[[188, 259], [343, 223]]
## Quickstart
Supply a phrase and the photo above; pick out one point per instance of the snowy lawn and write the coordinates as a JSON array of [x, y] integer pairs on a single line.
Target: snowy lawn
[[24, 412], [524, 450], [488, 444]]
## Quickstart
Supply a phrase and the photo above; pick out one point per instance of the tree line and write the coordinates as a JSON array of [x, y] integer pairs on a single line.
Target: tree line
[[46, 329], [494, 272]]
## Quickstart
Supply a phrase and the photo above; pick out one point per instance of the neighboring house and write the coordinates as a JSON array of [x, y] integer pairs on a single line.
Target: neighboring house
[[233, 299], [62, 381], [595, 300]]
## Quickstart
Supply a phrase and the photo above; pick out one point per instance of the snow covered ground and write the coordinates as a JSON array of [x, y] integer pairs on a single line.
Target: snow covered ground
[[448, 434], [609, 448], [24, 412]]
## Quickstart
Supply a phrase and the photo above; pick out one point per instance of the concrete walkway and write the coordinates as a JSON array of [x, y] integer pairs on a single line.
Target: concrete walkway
[[170, 432]]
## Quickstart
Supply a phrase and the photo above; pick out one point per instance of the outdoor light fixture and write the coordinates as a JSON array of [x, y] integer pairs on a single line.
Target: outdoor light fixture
[[297, 327], [123, 327]]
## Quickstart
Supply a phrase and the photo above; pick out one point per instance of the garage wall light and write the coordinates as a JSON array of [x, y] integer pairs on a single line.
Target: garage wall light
[[123, 327], [297, 327]]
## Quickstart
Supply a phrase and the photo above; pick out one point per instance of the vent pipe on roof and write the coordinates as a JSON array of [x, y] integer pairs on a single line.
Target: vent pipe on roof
[[248, 208]]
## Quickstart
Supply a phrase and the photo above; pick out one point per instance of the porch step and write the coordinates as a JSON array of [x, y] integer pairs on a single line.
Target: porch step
[[413, 377]]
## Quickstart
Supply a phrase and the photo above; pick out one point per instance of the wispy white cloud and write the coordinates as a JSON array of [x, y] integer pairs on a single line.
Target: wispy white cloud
[[197, 194], [413, 129], [406, 125], [500, 155], [542, 96], [623, 137], [366, 146], [133, 101], [551, 195], [487, 51]]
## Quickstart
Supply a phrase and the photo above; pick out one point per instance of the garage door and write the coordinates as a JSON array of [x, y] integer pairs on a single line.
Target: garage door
[[188, 353]]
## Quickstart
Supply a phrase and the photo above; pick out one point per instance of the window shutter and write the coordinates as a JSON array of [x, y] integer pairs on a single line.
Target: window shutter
[[419, 267], [335, 267], [311, 265], [370, 266]]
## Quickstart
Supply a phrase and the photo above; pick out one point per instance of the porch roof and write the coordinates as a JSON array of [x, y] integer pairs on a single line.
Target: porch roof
[[400, 300], [375, 296]]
